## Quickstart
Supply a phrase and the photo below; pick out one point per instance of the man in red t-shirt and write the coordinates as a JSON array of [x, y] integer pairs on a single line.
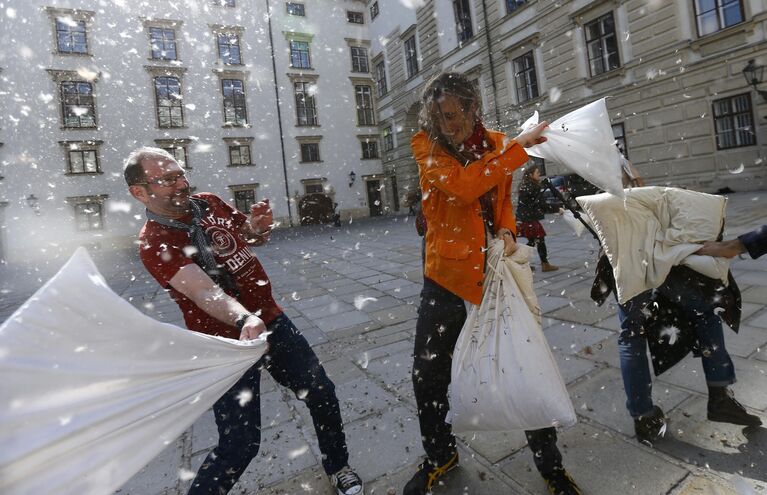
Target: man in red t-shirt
[[198, 247]]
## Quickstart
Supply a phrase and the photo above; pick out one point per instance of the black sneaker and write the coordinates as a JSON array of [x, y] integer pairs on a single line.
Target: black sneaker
[[347, 482], [428, 474], [650, 427], [723, 407], [558, 482]]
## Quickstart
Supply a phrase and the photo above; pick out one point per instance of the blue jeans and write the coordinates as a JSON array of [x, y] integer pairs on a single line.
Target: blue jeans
[[293, 364], [632, 342]]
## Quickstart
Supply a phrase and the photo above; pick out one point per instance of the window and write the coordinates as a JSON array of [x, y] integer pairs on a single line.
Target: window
[[295, 8], [310, 152], [89, 213], [244, 197], [602, 45], [354, 17], [235, 112], [369, 149], [71, 35], [170, 108], [388, 138], [163, 43], [239, 153], [179, 152], [714, 15], [299, 55], [306, 107], [524, 77], [374, 11], [359, 59], [411, 57], [734, 122], [364, 97], [463, 20], [541, 163], [82, 156], [381, 86], [314, 187], [512, 5], [229, 48], [77, 105], [620, 138]]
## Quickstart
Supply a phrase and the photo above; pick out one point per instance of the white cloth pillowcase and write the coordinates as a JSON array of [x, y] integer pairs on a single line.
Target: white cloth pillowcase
[[93, 389]]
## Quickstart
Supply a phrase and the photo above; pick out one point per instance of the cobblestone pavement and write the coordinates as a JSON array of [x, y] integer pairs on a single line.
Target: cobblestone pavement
[[353, 291]]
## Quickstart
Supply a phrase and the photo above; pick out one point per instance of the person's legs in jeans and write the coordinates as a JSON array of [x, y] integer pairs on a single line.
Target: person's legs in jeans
[[540, 244], [717, 364], [632, 347], [440, 318], [239, 437], [293, 364]]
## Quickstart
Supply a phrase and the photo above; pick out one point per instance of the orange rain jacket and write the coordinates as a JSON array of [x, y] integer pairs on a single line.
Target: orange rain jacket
[[455, 238]]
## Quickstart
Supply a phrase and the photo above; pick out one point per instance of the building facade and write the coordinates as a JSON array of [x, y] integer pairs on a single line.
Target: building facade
[[255, 98], [680, 106]]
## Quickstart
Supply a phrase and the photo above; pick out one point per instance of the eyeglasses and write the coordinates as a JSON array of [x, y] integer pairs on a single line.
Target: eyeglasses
[[165, 181]]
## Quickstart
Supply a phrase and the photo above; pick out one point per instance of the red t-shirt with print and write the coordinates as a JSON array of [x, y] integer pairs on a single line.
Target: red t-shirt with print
[[164, 250]]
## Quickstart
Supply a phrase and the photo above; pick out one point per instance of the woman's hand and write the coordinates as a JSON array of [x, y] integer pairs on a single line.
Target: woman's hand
[[532, 136], [509, 244]]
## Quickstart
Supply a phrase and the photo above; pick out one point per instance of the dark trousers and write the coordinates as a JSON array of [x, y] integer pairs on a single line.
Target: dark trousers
[[293, 364], [540, 244], [440, 318]]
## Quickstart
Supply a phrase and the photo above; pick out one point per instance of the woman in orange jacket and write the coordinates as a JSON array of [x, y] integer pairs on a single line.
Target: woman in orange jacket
[[465, 176]]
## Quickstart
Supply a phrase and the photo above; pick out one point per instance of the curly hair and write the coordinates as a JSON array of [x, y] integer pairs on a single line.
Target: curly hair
[[441, 85]]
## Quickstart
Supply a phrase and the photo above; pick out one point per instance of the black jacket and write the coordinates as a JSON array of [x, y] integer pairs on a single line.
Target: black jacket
[[531, 203], [666, 312]]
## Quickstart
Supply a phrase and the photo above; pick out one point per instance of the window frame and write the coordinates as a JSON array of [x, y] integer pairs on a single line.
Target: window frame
[[365, 105], [526, 74], [230, 102], [411, 57], [388, 137], [310, 152], [288, 6], [352, 14], [516, 5], [732, 115], [85, 223], [234, 145], [463, 22], [82, 147], [66, 102], [179, 105], [237, 190], [297, 54], [173, 146], [366, 145], [374, 10], [59, 21], [382, 85], [360, 62], [717, 9], [224, 46], [306, 102], [601, 39], [152, 40]]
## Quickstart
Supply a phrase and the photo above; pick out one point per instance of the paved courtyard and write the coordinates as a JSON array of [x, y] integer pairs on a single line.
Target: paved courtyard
[[353, 291]]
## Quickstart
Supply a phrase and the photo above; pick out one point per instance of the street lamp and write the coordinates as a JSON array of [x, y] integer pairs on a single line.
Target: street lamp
[[33, 203], [352, 178], [754, 75]]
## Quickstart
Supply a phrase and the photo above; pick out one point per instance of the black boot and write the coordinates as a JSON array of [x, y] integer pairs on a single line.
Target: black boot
[[723, 407], [428, 474], [650, 427]]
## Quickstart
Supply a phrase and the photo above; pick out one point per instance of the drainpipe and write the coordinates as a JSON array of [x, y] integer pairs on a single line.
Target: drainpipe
[[279, 114], [492, 66]]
